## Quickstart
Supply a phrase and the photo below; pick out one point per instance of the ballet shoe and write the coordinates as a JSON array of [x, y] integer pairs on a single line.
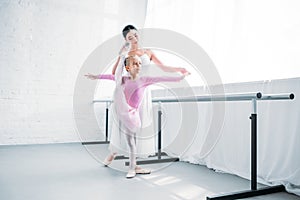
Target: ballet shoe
[[131, 174], [139, 170]]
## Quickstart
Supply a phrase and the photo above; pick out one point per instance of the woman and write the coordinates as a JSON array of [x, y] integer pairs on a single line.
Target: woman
[[145, 137], [128, 101], [131, 36]]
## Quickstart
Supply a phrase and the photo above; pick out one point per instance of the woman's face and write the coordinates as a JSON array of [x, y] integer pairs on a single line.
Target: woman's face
[[132, 37]]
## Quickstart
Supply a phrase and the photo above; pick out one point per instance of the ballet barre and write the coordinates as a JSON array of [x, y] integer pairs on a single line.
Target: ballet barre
[[208, 98]]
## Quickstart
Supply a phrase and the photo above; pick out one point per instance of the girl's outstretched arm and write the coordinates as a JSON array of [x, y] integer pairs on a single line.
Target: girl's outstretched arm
[[100, 76]]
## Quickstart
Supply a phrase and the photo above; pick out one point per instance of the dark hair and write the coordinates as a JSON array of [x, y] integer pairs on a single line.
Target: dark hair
[[126, 29], [126, 60], [126, 63]]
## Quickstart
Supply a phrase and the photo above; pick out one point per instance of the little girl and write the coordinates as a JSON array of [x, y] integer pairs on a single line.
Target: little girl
[[127, 108]]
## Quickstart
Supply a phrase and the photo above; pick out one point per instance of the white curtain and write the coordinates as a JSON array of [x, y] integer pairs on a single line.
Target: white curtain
[[256, 42], [254, 39]]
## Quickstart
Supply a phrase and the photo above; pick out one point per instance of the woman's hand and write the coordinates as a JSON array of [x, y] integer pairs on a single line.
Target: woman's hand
[[186, 74], [91, 76], [183, 70]]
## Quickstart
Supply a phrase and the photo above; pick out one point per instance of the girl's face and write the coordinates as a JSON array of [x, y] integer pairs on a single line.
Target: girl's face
[[134, 66], [132, 37]]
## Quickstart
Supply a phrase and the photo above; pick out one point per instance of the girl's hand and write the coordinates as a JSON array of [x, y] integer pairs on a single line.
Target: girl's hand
[[91, 76]]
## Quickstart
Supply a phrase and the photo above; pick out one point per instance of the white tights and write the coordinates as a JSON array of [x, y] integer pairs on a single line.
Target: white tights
[[131, 141]]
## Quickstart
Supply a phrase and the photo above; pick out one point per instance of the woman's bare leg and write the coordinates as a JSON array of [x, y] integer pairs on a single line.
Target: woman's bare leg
[[109, 158]]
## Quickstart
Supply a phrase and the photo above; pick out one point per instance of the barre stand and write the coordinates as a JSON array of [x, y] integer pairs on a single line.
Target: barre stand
[[254, 191], [108, 102]]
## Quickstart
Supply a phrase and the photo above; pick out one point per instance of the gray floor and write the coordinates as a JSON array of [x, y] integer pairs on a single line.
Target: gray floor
[[68, 172]]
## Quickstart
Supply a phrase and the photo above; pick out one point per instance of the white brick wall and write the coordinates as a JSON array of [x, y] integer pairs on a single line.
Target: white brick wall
[[42, 47]]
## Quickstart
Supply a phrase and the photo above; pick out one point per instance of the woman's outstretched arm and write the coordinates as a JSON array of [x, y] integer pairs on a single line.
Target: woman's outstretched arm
[[153, 80], [154, 58]]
